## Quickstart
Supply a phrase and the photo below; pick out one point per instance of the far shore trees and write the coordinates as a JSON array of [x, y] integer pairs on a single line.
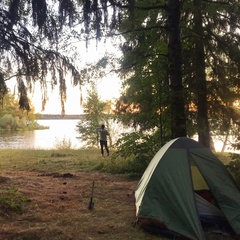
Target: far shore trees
[[14, 119]]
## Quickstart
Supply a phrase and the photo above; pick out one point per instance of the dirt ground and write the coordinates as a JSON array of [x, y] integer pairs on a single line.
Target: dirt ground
[[58, 207]]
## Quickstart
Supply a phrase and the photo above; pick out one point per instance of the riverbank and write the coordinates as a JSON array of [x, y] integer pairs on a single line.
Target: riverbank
[[45, 195]]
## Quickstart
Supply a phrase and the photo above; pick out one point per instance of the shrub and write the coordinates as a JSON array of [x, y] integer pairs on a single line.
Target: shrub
[[63, 144], [133, 153], [12, 199]]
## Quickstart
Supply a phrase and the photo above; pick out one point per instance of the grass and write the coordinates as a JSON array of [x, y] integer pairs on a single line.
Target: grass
[[57, 160], [40, 203], [44, 195]]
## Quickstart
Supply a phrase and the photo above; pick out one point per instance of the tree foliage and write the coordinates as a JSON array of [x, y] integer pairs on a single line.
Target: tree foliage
[[13, 118], [140, 19], [211, 25], [29, 46], [210, 70], [95, 115], [179, 57]]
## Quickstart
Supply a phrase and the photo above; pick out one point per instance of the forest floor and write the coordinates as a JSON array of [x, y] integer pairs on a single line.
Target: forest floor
[[58, 206]]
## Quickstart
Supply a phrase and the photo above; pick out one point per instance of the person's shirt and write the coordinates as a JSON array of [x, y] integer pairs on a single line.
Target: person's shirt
[[103, 133]]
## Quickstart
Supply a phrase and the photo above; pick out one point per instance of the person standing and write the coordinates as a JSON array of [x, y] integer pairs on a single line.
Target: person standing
[[103, 139]]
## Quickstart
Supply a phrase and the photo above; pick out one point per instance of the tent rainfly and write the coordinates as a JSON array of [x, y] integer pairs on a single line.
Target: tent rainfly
[[185, 191]]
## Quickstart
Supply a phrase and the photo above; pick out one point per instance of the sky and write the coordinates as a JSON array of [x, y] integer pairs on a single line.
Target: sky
[[108, 87]]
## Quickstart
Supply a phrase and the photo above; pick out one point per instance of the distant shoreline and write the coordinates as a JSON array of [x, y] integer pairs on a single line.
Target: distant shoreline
[[58, 116]]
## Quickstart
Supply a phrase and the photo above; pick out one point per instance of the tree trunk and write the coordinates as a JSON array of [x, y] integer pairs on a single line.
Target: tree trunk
[[201, 91], [178, 119]]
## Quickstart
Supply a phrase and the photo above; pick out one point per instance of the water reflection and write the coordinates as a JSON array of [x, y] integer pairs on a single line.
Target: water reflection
[[64, 129], [59, 130]]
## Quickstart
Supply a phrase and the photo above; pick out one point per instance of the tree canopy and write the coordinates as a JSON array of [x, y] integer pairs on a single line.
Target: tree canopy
[[208, 33], [178, 57], [30, 46], [96, 115]]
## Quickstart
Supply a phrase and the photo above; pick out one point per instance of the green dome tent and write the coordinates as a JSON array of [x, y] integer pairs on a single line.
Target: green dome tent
[[186, 188]]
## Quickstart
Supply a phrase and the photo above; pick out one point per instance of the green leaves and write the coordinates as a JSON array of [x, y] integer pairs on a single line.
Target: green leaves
[[96, 114]]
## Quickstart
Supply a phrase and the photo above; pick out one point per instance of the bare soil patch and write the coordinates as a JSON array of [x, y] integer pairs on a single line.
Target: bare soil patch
[[58, 206]]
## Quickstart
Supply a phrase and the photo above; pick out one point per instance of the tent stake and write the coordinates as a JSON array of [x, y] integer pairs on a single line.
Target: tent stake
[[91, 203]]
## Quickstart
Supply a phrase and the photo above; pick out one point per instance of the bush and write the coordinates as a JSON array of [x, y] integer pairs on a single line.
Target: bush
[[133, 153], [12, 199], [129, 166], [64, 144]]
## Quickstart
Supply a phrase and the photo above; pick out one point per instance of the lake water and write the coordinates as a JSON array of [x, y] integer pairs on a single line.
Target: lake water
[[58, 132]]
